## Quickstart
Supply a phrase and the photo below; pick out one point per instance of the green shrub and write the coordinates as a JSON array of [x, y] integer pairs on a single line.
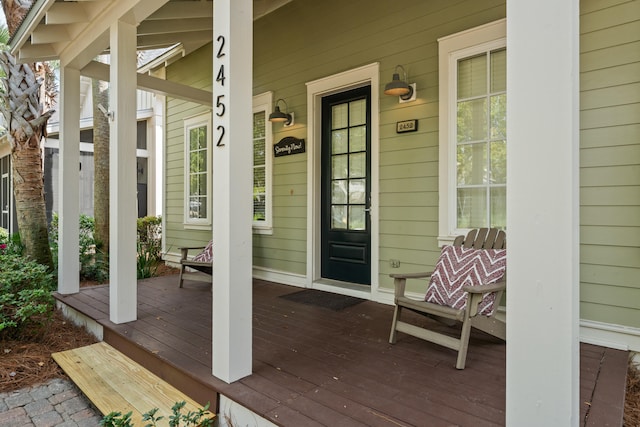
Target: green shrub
[[93, 263], [10, 244], [25, 295], [149, 246], [146, 265], [150, 236]]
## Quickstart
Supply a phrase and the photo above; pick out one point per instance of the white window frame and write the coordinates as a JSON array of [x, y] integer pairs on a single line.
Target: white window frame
[[451, 48], [264, 103], [189, 123]]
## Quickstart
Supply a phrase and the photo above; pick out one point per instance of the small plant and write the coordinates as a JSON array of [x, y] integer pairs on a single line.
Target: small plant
[[150, 236], [200, 418], [146, 265], [10, 244], [149, 246], [26, 303]]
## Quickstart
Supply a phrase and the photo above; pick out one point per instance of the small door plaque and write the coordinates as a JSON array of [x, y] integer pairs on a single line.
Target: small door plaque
[[407, 126], [289, 145]]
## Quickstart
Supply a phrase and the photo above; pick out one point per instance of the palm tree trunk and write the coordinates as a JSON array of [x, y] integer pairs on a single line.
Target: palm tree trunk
[[28, 183], [101, 165], [27, 123]]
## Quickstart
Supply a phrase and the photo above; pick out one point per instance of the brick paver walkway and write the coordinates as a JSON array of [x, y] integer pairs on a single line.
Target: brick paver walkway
[[57, 403]]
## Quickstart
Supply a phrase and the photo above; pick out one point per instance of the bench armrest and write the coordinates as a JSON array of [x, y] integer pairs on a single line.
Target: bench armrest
[[400, 281], [485, 289], [184, 251]]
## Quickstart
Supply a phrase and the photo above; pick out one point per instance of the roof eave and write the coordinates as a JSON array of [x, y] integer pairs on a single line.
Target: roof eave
[[28, 25]]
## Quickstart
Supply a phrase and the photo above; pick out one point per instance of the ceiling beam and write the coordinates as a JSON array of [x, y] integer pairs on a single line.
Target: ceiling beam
[[184, 10], [97, 70], [94, 38], [36, 53], [65, 13], [170, 39], [46, 34], [175, 26]]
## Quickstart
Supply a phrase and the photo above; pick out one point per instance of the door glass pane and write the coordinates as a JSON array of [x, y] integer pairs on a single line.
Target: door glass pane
[[339, 192], [499, 207], [358, 139], [499, 162], [499, 70], [356, 218], [357, 165], [339, 116], [472, 76], [472, 207], [339, 141], [357, 112], [339, 166], [357, 190], [472, 120], [472, 164], [339, 217]]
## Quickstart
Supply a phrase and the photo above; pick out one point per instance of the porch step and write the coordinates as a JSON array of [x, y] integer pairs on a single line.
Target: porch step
[[113, 382]]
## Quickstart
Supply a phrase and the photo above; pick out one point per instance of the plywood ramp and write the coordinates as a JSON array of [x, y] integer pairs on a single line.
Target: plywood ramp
[[113, 382]]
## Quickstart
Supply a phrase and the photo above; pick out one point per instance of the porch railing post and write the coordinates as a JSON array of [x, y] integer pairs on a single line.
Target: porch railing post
[[232, 188], [543, 71]]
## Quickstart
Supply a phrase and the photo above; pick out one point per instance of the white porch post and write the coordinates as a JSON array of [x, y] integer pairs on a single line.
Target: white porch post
[[69, 182], [543, 213], [122, 175], [232, 188]]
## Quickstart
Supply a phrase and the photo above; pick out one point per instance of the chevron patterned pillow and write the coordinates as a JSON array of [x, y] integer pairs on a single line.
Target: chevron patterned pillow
[[207, 253], [458, 267]]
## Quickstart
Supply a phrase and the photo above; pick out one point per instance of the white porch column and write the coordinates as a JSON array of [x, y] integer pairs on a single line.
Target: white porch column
[[232, 188], [122, 175], [69, 182], [543, 213]]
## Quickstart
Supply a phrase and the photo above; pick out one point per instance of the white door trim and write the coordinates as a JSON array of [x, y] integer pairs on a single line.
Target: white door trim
[[365, 75]]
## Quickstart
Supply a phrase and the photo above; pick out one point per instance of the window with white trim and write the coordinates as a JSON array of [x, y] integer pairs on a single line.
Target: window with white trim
[[197, 192], [473, 130], [262, 163]]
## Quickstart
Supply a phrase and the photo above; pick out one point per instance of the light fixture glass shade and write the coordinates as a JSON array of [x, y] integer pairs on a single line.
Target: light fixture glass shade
[[397, 87]]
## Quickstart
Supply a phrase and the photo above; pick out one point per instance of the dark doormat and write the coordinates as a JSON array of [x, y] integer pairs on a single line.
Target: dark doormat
[[322, 299]]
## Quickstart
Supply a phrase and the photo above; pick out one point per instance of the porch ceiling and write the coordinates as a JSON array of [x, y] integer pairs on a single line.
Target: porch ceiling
[[62, 29]]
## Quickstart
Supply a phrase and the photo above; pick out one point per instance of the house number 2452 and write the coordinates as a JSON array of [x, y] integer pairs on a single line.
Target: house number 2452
[[220, 77]]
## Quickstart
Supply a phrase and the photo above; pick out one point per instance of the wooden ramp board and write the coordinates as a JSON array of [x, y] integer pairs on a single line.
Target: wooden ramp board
[[113, 382]]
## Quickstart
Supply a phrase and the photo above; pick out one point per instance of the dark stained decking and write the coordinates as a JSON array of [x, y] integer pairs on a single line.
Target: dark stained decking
[[314, 366]]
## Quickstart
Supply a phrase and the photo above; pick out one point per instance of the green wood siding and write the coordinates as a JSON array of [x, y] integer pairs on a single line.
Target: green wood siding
[[325, 38], [193, 70], [610, 161]]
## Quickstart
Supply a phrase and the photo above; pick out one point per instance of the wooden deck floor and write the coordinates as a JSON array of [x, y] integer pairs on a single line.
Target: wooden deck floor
[[314, 366]]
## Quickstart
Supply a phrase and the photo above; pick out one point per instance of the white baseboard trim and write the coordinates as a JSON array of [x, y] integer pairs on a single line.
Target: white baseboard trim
[[79, 319], [232, 414], [387, 296], [284, 277], [609, 335]]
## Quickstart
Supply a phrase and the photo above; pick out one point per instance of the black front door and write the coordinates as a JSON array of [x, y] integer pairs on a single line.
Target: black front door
[[346, 186]]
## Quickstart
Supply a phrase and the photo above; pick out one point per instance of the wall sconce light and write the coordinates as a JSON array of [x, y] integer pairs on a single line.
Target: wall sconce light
[[279, 117], [401, 88]]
